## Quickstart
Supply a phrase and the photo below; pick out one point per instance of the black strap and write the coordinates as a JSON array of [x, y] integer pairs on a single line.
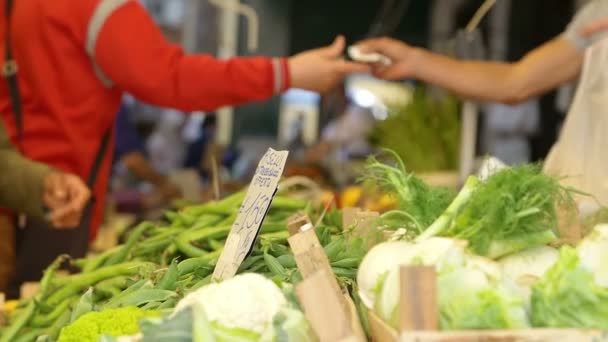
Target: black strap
[[9, 71], [99, 158]]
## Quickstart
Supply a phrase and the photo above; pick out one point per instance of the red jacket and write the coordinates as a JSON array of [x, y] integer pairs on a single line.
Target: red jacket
[[66, 48]]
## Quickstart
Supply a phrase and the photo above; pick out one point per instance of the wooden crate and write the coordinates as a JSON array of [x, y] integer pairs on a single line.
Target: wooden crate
[[424, 329], [382, 332]]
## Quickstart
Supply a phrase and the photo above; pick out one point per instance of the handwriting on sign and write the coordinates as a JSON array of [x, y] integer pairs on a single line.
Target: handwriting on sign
[[251, 214]]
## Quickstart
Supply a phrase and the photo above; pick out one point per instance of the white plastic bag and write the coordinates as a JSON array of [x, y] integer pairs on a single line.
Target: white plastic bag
[[581, 154]]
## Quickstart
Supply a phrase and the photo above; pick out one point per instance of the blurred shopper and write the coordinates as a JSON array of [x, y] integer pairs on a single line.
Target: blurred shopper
[[347, 136], [33, 188], [130, 151], [68, 64]]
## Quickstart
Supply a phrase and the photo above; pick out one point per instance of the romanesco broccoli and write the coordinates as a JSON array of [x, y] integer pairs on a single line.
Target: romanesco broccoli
[[113, 322]]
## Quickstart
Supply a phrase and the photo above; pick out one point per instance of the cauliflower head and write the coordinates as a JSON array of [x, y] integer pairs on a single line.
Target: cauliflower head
[[248, 301]]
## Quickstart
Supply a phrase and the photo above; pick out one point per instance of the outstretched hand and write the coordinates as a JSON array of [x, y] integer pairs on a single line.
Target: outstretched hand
[[401, 55], [322, 69]]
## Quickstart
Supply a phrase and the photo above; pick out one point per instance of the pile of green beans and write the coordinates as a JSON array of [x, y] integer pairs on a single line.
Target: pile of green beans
[[159, 263]]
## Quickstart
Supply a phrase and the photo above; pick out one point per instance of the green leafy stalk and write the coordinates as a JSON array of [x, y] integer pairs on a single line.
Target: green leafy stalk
[[445, 221], [419, 204]]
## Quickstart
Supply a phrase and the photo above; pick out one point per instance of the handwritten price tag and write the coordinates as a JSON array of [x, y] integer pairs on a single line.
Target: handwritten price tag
[[247, 225]]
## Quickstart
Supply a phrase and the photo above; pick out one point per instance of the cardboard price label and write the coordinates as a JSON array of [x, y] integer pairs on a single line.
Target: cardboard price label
[[247, 225]]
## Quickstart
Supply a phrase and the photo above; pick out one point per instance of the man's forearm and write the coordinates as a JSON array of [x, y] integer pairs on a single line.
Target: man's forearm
[[21, 182], [541, 70]]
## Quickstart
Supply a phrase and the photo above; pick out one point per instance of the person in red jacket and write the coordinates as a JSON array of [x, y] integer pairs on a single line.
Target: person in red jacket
[[72, 62]]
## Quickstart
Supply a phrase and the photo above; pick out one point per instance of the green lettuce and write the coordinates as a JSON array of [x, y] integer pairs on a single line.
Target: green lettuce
[[472, 293], [568, 296]]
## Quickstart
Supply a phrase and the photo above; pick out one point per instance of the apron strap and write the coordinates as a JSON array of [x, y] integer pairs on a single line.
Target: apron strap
[[9, 71]]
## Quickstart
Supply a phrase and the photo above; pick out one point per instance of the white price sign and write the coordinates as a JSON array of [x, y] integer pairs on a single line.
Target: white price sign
[[247, 225]]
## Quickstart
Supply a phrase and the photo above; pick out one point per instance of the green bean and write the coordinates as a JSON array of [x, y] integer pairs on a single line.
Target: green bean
[[167, 282], [98, 261], [49, 273], [157, 230], [347, 263], [186, 219], [257, 268], [45, 320], [19, 322], [171, 216], [152, 305], [345, 272], [133, 237], [207, 220], [55, 329], [274, 265], [108, 291], [30, 335], [77, 282], [215, 245], [211, 209], [183, 240], [23, 317], [152, 249], [81, 263], [138, 285], [276, 237], [286, 203], [116, 282], [279, 249], [141, 297], [333, 248], [268, 227], [167, 304], [295, 277], [229, 203], [287, 260], [250, 261], [168, 253], [324, 235], [190, 265], [201, 283]]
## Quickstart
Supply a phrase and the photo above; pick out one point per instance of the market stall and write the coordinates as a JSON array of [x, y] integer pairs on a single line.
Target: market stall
[[497, 267]]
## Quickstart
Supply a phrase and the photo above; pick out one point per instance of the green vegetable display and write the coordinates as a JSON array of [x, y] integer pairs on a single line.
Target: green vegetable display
[[162, 262], [487, 243]]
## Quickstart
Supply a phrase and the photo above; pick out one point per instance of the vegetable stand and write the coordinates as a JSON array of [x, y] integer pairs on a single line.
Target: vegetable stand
[[310, 266]]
